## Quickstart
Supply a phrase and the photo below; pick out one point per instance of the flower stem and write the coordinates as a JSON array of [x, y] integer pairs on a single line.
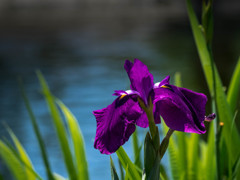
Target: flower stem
[[149, 111]]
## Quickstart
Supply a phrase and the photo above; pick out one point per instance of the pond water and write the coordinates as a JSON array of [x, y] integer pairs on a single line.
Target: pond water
[[81, 54]]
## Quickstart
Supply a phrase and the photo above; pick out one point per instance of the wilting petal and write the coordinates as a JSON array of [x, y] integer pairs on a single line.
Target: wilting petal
[[141, 79], [181, 109], [116, 123]]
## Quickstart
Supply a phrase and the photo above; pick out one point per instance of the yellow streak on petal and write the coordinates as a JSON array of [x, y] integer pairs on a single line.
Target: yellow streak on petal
[[122, 96], [163, 86]]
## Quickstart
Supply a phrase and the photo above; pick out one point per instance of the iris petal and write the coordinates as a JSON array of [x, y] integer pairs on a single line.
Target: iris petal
[[198, 102], [181, 109], [141, 79], [116, 123]]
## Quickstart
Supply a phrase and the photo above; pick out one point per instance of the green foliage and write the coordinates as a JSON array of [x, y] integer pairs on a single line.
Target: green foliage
[[163, 173], [12, 162], [60, 129], [136, 149], [172, 153], [224, 112], [127, 176], [18, 161], [127, 164], [58, 177], [24, 157], [121, 170], [151, 158], [78, 141], [37, 133], [114, 174], [193, 156], [221, 140], [234, 88], [210, 163]]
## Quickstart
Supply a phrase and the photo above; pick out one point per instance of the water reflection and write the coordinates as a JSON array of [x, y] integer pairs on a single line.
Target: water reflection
[[81, 55]]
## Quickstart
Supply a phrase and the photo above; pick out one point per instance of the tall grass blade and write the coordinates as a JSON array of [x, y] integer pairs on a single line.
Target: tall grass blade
[[201, 45], [210, 166], [58, 177], [162, 177], [12, 162], [121, 170], [23, 156], [126, 162], [181, 140], [114, 174], [236, 168], [177, 79], [202, 160], [234, 88], [136, 149], [37, 132], [224, 160], [223, 108], [182, 154], [127, 177], [59, 126], [78, 141], [17, 155], [193, 156], [163, 173], [172, 154]]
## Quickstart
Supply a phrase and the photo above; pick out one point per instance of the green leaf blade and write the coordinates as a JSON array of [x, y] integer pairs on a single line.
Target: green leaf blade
[[182, 153], [23, 155], [37, 132], [181, 138], [13, 163], [126, 162], [114, 174], [172, 154], [224, 112], [234, 88], [78, 141], [136, 149], [193, 156], [210, 166], [60, 129], [58, 177]]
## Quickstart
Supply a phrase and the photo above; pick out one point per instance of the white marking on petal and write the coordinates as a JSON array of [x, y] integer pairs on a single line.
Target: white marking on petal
[[156, 85], [129, 92]]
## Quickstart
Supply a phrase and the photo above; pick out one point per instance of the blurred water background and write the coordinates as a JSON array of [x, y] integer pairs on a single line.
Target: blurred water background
[[80, 47]]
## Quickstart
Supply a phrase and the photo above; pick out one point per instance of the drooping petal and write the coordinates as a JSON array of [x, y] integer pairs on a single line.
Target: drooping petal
[[181, 109], [141, 79], [196, 100], [116, 123]]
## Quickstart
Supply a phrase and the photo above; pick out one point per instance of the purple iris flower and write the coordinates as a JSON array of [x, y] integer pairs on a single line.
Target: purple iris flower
[[181, 109]]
